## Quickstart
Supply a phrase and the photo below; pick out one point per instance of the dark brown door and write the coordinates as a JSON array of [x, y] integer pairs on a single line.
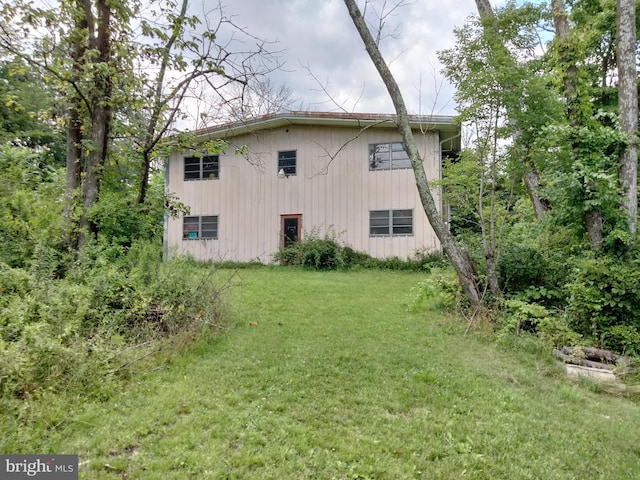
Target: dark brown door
[[290, 229]]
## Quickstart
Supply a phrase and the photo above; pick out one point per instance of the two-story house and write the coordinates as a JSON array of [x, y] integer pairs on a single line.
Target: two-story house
[[289, 173]]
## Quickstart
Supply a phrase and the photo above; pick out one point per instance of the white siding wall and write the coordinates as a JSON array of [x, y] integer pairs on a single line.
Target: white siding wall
[[330, 194]]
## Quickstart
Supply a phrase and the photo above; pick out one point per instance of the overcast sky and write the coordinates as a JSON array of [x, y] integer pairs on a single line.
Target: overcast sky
[[319, 35]]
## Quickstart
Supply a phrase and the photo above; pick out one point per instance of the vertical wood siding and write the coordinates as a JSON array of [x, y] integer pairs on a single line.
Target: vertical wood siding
[[333, 193]]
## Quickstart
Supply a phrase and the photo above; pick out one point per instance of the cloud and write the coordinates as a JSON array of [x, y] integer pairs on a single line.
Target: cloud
[[319, 35]]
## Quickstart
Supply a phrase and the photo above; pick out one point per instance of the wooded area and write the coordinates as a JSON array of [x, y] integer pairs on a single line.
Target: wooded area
[[544, 200]]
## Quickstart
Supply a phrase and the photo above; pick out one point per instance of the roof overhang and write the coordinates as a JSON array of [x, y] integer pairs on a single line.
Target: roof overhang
[[448, 127]]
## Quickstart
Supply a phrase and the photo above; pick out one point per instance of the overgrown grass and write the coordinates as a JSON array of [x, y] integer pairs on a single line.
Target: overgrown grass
[[83, 336], [329, 375]]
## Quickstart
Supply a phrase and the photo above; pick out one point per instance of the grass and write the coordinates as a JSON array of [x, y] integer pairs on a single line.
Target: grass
[[339, 380]]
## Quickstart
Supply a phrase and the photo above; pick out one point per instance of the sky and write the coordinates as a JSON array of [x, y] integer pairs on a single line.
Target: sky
[[317, 39]]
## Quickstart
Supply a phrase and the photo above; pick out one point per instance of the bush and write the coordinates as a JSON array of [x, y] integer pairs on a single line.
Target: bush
[[116, 306], [604, 301], [314, 252], [327, 254], [441, 290], [520, 267], [552, 328]]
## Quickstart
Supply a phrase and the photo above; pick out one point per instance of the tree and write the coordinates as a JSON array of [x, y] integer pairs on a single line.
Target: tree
[[628, 109], [194, 60], [79, 60], [504, 101], [461, 263], [26, 111], [121, 82], [579, 64], [531, 176]]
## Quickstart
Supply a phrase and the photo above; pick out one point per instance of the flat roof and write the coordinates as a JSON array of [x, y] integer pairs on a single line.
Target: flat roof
[[448, 127]]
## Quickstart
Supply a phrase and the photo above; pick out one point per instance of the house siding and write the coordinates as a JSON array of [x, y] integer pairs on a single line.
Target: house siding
[[332, 194]]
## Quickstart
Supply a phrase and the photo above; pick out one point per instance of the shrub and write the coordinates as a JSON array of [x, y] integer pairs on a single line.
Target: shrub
[[520, 267], [624, 339], [441, 289], [326, 253], [116, 306], [552, 328], [314, 252], [604, 301]]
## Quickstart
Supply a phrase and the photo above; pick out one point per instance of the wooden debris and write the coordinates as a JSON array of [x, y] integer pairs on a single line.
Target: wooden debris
[[593, 362]]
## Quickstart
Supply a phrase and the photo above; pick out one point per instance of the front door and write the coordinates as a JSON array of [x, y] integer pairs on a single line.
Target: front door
[[290, 229]]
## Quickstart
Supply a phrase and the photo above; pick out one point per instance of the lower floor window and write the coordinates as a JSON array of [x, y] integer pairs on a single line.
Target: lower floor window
[[200, 227], [390, 222]]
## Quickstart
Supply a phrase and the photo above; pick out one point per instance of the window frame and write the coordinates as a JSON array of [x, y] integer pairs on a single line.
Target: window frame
[[288, 169], [205, 224], [391, 223], [400, 163], [208, 168]]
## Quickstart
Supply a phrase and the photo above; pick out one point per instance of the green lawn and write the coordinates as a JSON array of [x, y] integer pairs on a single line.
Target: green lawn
[[339, 380]]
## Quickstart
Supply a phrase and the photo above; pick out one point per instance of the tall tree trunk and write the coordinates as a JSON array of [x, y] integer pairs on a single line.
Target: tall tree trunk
[[144, 182], [74, 134], [73, 176], [460, 262], [484, 8], [628, 109], [532, 182], [593, 217], [100, 121]]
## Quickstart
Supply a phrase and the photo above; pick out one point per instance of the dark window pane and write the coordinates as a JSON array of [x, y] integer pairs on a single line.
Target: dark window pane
[[287, 162], [402, 222], [287, 154], [209, 227], [379, 222], [210, 167], [191, 168]]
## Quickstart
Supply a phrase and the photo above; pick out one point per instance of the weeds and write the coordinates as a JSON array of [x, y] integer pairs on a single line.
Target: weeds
[[114, 310]]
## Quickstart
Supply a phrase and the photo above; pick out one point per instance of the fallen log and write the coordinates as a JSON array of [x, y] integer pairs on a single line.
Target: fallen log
[[596, 355], [581, 361]]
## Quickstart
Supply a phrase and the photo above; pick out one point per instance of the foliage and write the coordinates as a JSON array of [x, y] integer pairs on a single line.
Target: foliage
[[521, 267], [27, 111], [552, 328], [114, 305], [121, 219], [584, 162], [439, 290], [313, 251], [544, 123], [30, 210], [327, 253], [604, 301]]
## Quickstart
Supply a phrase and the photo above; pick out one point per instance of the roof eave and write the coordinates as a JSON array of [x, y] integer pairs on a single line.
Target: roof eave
[[446, 125]]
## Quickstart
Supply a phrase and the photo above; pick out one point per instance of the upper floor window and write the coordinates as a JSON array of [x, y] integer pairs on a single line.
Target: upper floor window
[[201, 168], [200, 227], [390, 222], [388, 156], [287, 162]]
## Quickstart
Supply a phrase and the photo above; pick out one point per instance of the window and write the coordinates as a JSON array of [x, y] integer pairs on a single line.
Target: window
[[388, 156], [390, 222], [204, 227], [287, 162], [201, 168]]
